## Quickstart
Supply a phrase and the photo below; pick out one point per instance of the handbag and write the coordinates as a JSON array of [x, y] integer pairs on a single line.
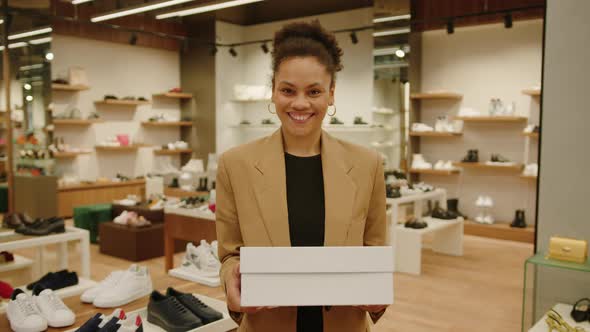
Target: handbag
[[568, 249]]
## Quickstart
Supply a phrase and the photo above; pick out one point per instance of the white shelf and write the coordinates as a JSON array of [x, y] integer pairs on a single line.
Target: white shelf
[[181, 273], [19, 262], [564, 310], [194, 213], [416, 197], [433, 225]]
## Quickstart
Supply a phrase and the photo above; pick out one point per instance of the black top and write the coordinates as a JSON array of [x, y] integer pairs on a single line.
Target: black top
[[306, 208]]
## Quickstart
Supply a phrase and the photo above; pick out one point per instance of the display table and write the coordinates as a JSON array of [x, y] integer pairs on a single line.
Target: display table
[[188, 225], [418, 200], [564, 310]]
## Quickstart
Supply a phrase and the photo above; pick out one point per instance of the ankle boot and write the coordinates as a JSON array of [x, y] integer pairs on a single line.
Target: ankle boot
[[475, 156], [440, 213], [519, 220], [453, 207]]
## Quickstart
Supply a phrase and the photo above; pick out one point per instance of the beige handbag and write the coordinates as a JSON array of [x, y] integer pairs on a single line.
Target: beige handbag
[[568, 249]]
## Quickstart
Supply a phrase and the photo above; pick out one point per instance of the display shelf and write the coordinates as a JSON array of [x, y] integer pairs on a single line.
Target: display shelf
[[181, 273], [19, 262], [491, 119], [122, 102], [510, 167], [540, 259], [434, 134], [175, 95], [193, 213], [564, 310], [100, 184], [385, 113], [532, 92], [167, 123], [532, 135], [63, 155], [74, 122], [528, 177], [381, 145], [434, 171], [163, 152], [500, 230], [69, 87], [127, 148], [436, 95]]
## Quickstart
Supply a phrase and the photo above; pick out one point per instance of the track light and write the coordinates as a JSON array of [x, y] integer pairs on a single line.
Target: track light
[[29, 98], [264, 48], [391, 32], [49, 56], [133, 39], [354, 38], [213, 51], [205, 8], [392, 18], [77, 2], [27, 86], [30, 33], [142, 8], [450, 27], [233, 52], [508, 21], [400, 53]]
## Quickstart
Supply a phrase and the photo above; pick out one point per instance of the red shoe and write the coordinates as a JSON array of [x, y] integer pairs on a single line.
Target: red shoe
[[175, 90], [5, 290]]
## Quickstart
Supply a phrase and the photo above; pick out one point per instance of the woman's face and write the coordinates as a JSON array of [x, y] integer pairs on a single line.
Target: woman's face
[[302, 93]]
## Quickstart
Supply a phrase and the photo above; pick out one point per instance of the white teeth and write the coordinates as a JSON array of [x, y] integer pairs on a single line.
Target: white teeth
[[300, 117]]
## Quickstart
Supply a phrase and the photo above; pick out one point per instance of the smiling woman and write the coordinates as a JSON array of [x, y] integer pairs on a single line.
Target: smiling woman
[[289, 189]]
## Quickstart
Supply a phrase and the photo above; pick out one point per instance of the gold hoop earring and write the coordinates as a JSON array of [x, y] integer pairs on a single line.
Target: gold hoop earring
[[334, 110], [268, 108]]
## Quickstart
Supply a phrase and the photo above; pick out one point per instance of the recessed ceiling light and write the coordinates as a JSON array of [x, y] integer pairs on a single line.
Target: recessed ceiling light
[[40, 41], [391, 32], [206, 8], [30, 33]]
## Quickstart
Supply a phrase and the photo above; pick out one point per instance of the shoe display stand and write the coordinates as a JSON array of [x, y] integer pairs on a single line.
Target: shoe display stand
[[179, 272], [187, 225], [564, 310]]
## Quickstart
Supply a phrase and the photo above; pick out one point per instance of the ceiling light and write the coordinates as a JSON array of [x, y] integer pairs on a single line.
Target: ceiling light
[[15, 45], [29, 98], [385, 51], [1, 21], [206, 8], [137, 9], [49, 56], [30, 33], [391, 32], [392, 18], [77, 2], [354, 38], [27, 86], [400, 53], [30, 67], [40, 41]]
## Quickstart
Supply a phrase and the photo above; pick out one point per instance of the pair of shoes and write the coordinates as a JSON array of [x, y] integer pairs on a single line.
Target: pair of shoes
[[56, 280], [15, 220], [6, 257], [421, 127], [484, 218], [43, 227], [175, 90], [440, 213], [443, 124], [531, 128], [203, 184], [418, 162], [519, 220], [245, 123], [120, 288], [117, 321], [581, 310], [358, 120], [498, 158], [35, 313], [202, 260], [267, 122], [110, 97], [453, 207], [444, 165], [472, 156], [468, 112], [131, 218], [556, 323], [178, 145], [484, 201], [415, 224], [179, 312], [335, 121]]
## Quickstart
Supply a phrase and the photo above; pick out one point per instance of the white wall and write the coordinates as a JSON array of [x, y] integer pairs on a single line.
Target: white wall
[[354, 87], [484, 62], [122, 70]]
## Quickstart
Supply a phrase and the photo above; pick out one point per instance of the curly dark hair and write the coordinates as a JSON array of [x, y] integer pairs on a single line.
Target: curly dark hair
[[301, 39]]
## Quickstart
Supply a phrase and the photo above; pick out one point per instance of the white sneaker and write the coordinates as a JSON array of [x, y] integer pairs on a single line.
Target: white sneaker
[[488, 202], [480, 218], [181, 145], [440, 165], [215, 249], [529, 129], [421, 127], [131, 324], [54, 310], [448, 166], [117, 313], [467, 111], [488, 219], [135, 283], [201, 261], [418, 162], [480, 201], [24, 316], [531, 170], [109, 282]]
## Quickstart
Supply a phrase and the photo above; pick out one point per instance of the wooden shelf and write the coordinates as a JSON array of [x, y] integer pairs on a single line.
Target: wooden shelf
[[177, 192], [101, 184], [500, 230], [434, 171], [514, 167], [491, 118], [122, 102], [176, 95], [528, 177], [532, 92], [69, 87], [74, 122], [118, 148], [163, 152], [533, 135], [436, 95], [63, 155], [434, 134], [167, 123]]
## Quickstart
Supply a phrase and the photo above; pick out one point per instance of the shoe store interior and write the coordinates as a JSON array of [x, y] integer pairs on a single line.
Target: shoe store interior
[[114, 113]]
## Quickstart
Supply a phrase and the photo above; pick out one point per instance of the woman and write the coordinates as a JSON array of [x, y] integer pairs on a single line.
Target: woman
[[299, 186]]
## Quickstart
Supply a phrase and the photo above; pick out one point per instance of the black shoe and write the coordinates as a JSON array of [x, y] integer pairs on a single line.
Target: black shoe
[[111, 326], [11, 220], [581, 310], [472, 156], [200, 309], [174, 183], [91, 325], [47, 277], [59, 281], [335, 121], [392, 192], [168, 313], [453, 207], [519, 220], [440, 213], [359, 121], [107, 97], [44, 227], [415, 224], [497, 158]]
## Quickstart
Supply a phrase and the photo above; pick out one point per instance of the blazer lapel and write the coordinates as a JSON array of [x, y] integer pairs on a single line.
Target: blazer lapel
[[271, 190], [339, 191]]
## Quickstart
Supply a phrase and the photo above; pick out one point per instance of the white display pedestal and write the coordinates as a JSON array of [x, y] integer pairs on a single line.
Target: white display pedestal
[[564, 310], [179, 272]]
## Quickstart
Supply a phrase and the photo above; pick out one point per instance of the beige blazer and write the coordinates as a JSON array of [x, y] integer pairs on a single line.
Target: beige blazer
[[252, 211]]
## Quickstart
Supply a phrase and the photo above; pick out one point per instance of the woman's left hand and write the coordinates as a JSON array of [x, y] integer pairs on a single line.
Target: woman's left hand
[[372, 308]]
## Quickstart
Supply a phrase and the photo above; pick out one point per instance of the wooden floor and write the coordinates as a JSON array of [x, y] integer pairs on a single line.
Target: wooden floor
[[481, 291]]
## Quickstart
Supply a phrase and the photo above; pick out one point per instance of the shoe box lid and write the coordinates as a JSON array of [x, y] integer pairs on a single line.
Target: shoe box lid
[[316, 260]]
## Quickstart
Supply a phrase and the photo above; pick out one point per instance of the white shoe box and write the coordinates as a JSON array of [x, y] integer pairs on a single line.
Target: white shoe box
[[310, 276]]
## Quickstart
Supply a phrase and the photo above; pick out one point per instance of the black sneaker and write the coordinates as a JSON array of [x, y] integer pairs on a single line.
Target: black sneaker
[[196, 306], [335, 121], [47, 277], [45, 227], [168, 313], [440, 213], [111, 326], [59, 281], [111, 97], [359, 121]]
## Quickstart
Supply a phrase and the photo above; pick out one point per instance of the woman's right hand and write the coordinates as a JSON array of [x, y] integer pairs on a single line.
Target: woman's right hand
[[233, 289]]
